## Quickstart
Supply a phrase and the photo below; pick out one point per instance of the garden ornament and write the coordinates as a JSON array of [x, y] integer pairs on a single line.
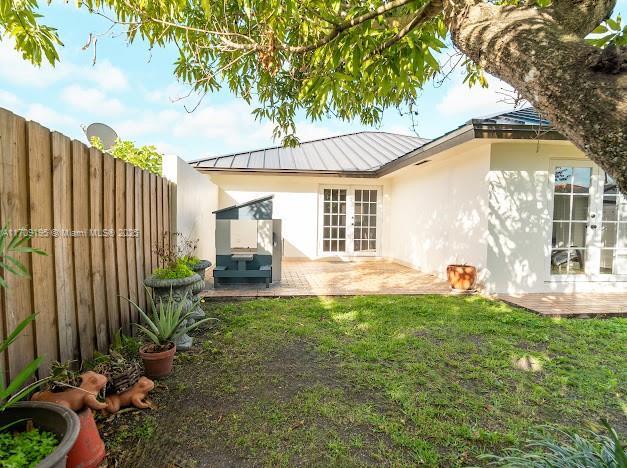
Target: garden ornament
[[135, 396], [77, 398]]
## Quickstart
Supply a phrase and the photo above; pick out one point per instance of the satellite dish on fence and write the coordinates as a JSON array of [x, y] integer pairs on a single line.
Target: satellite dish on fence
[[105, 133]]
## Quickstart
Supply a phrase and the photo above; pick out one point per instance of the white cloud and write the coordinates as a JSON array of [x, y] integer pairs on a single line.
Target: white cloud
[[105, 75], [18, 71], [8, 100], [92, 101], [52, 119], [171, 93], [462, 101], [307, 131]]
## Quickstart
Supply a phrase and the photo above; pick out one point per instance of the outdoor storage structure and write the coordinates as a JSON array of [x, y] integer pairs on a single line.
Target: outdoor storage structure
[[249, 245]]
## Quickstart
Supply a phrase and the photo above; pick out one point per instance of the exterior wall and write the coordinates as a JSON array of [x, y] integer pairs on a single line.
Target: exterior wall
[[196, 200], [439, 211], [295, 202], [486, 203], [520, 219]]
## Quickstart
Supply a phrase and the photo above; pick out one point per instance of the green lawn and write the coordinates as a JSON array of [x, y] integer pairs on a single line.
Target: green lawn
[[371, 380]]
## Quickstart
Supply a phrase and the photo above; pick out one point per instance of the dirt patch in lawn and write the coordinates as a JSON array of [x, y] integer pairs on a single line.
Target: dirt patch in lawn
[[219, 410]]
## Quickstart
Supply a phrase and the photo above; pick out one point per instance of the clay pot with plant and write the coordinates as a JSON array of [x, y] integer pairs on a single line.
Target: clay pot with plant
[[461, 277], [51, 428], [168, 321]]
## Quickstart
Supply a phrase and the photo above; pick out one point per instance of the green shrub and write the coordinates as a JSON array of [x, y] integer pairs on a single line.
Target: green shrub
[[179, 270], [144, 157], [25, 449], [191, 261], [566, 450]]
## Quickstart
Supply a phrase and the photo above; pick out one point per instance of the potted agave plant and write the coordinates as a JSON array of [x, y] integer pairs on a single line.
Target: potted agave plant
[[51, 428], [162, 328]]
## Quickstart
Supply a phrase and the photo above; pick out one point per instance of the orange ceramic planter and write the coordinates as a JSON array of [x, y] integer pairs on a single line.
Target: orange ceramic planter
[[461, 277], [89, 449], [157, 364]]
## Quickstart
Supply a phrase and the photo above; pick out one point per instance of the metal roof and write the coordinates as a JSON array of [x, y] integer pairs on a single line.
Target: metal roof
[[374, 154], [524, 116], [354, 152]]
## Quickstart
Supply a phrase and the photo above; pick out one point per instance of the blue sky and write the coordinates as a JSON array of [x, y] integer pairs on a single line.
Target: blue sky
[[133, 89]]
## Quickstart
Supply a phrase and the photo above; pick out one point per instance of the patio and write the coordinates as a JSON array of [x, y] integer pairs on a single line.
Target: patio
[[326, 278], [372, 277], [579, 305]]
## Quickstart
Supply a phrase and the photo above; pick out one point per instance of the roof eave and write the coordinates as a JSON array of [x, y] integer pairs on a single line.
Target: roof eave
[[475, 129], [290, 172]]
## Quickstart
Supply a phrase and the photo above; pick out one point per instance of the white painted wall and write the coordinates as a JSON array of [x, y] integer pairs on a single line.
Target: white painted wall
[[520, 219], [295, 202], [485, 203], [439, 211], [196, 200]]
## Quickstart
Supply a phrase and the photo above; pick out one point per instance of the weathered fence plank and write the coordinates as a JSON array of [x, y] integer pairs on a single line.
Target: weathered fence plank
[[63, 255], [111, 272], [146, 231], [131, 259], [81, 241], [120, 242], [14, 203], [154, 232], [96, 225], [139, 248], [41, 221]]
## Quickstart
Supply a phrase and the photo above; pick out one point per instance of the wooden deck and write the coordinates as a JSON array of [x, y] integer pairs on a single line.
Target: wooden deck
[[580, 305]]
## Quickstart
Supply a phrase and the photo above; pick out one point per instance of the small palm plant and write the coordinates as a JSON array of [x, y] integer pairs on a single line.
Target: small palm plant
[[168, 321]]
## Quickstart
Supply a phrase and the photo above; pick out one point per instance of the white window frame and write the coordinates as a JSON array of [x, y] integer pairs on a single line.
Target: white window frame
[[350, 208], [593, 237]]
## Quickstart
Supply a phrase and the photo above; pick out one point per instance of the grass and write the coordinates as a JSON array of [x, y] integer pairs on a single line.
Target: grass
[[380, 380]]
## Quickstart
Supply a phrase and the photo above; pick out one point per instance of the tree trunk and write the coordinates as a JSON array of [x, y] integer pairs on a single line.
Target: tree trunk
[[582, 90]]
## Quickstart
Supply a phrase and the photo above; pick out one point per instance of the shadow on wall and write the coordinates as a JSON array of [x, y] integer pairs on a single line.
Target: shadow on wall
[[448, 223], [519, 226]]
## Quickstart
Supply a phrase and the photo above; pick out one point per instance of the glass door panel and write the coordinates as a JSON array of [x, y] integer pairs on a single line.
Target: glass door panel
[[334, 220], [571, 211], [613, 230], [349, 220], [365, 221]]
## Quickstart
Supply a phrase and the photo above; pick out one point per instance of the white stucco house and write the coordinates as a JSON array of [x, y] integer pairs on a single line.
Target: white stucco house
[[506, 193]]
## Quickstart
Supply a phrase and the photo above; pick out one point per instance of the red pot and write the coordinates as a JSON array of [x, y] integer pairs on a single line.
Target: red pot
[[462, 277], [89, 449], [157, 364]]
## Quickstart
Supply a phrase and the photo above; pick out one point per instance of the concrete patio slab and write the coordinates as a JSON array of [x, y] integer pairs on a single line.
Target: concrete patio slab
[[326, 278]]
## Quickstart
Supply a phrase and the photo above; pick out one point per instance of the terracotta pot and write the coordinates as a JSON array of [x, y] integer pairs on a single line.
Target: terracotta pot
[[157, 364], [89, 449], [461, 277]]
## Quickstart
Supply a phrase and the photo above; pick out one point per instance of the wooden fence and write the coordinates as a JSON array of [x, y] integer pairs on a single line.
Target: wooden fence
[[98, 219]]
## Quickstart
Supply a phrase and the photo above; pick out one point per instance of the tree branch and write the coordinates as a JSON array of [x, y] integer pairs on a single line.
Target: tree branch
[[429, 10], [580, 17]]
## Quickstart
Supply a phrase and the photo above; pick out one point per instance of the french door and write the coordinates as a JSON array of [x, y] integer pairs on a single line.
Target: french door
[[589, 223], [349, 221]]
